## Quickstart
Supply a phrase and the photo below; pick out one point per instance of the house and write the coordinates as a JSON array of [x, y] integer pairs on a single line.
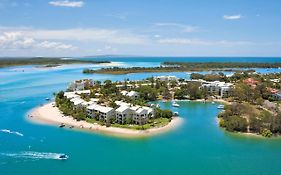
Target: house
[[251, 82], [133, 94], [123, 114]]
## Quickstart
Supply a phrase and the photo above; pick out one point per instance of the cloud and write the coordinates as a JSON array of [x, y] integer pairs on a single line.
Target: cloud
[[183, 27], [55, 45], [107, 49], [67, 3], [17, 40], [186, 41], [109, 36], [232, 17], [121, 16]]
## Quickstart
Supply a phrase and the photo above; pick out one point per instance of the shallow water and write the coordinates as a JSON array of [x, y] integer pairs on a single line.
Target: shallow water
[[198, 146]]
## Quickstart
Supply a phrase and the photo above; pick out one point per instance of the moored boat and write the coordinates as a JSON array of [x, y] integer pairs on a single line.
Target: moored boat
[[175, 104]]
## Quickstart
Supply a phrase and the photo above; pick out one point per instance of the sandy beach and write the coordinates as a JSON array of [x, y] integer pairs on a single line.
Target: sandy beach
[[48, 114]]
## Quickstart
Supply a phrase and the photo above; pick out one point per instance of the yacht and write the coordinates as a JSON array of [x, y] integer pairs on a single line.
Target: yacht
[[220, 106]]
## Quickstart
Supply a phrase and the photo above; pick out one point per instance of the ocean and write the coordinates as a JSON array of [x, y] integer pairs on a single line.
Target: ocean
[[197, 147]]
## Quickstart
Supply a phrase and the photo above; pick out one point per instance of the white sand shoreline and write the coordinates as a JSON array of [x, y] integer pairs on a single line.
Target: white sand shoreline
[[47, 114]]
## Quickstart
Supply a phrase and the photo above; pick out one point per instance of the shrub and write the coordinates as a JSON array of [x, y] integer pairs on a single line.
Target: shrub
[[266, 133]]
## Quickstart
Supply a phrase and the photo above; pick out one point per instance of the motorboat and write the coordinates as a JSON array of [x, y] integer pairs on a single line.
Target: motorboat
[[62, 125], [63, 157], [176, 113], [47, 99], [175, 104], [220, 106]]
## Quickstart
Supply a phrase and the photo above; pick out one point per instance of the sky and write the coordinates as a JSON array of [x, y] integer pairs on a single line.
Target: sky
[[140, 27]]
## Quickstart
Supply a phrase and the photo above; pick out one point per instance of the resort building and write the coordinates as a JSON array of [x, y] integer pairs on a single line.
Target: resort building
[[166, 78], [80, 84], [74, 94], [102, 113], [133, 94], [77, 102], [123, 114], [217, 87]]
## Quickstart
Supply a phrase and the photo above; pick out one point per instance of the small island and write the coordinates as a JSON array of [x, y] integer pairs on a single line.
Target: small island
[[115, 108]]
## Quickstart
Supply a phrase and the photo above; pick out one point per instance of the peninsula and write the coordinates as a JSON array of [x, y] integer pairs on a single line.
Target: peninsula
[[186, 67], [108, 108], [44, 61]]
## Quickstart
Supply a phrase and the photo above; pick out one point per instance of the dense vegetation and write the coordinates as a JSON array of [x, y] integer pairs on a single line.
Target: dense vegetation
[[67, 108], [184, 66], [243, 117], [49, 62], [222, 65]]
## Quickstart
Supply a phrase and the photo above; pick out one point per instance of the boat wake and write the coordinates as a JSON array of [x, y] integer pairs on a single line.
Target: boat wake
[[11, 132], [34, 155]]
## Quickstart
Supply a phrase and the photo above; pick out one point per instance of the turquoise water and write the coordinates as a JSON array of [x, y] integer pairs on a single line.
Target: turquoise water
[[198, 146]]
